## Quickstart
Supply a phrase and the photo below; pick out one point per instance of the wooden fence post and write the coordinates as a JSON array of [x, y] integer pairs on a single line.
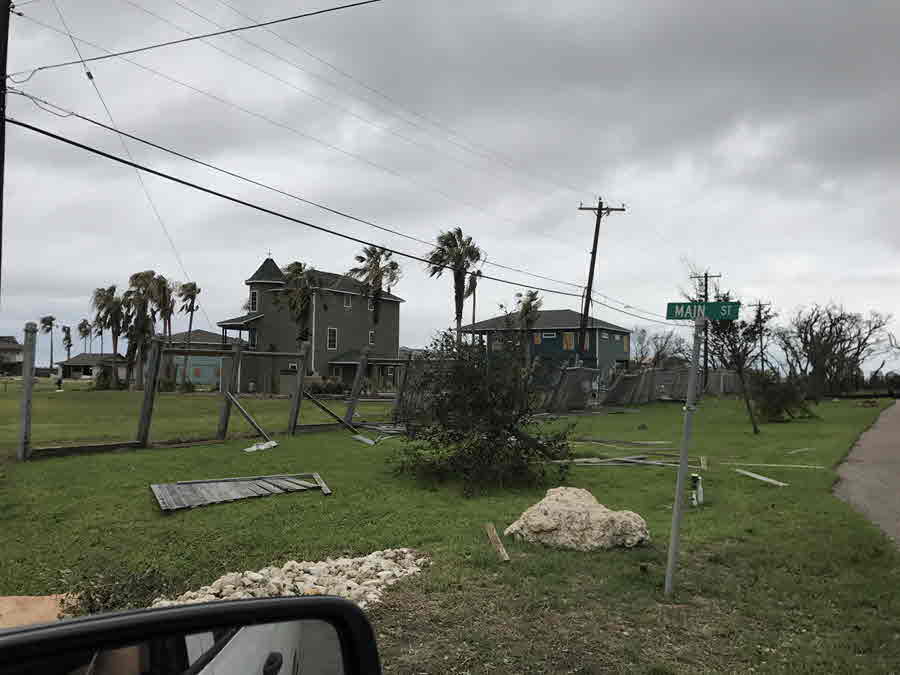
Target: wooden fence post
[[298, 389], [229, 386], [151, 382], [24, 449], [398, 402], [357, 384]]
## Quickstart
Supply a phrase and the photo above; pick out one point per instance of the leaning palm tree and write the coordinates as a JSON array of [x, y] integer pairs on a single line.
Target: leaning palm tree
[[84, 332], [188, 293], [47, 324], [458, 253], [376, 271], [528, 305], [138, 300], [471, 290], [67, 341], [296, 296]]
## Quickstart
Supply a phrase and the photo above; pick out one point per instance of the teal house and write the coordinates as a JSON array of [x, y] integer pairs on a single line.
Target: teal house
[[203, 371], [555, 336]]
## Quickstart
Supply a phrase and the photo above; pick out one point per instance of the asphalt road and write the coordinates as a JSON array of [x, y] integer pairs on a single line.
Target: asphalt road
[[870, 476]]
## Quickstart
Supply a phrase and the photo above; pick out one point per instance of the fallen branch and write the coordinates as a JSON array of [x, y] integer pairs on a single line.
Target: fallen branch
[[495, 540]]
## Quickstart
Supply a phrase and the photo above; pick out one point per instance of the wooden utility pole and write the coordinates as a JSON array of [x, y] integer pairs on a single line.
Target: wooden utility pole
[[4, 49], [706, 276], [600, 211], [23, 452]]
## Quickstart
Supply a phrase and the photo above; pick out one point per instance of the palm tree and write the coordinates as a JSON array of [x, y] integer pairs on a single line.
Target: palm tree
[[297, 295], [67, 341], [115, 319], [47, 324], [527, 307], [100, 299], [458, 253], [188, 293], [98, 331], [376, 270], [84, 332], [141, 321], [163, 296], [471, 289]]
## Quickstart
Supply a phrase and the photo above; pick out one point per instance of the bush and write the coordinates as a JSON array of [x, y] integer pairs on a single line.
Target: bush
[[103, 381], [327, 387], [474, 419], [777, 400], [187, 387], [113, 589]]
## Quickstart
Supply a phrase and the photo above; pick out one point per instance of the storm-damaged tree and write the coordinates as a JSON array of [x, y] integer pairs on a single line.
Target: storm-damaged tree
[[825, 347], [734, 345], [296, 296], [458, 253]]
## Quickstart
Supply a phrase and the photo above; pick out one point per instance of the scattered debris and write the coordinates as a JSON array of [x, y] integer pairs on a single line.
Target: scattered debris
[[262, 446], [696, 489], [495, 540], [794, 452], [361, 580], [572, 518], [777, 466], [352, 429], [192, 493], [248, 417], [762, 478], [704, 465], [868, 403]]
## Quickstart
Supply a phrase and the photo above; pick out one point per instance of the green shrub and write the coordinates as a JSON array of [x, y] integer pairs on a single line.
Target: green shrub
[[474, 418], [777, 400], [112, 589]]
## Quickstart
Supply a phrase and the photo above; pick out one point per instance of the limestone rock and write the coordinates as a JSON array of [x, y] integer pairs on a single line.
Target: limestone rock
[[573, 518]]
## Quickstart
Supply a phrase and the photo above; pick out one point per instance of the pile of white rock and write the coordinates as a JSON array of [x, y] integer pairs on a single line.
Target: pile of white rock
[[361, 580]]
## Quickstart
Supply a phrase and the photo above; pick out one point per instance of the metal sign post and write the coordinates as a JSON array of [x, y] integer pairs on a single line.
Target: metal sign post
[[677, 507]]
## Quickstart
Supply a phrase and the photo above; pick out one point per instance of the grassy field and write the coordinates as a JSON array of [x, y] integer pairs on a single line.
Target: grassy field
[[80, 415], [771, 580]]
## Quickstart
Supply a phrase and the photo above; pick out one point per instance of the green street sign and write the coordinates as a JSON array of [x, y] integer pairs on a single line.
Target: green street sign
[[715, 311]]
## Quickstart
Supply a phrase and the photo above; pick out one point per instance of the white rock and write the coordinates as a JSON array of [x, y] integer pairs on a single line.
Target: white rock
[[572, 518], [255, 577]]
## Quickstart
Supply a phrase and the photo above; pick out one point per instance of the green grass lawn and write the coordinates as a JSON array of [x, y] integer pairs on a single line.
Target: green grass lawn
[[771, 579], [80, 415]]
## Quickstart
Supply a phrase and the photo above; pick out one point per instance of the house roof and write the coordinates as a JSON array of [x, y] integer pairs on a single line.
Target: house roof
[[240, 321], [203, 337], [91, 359], [267, 273], [9, 343], [547, 319], [341, 283]]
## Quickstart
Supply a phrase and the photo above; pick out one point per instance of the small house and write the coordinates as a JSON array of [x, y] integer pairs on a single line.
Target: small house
[[11, 355], [88, 365]]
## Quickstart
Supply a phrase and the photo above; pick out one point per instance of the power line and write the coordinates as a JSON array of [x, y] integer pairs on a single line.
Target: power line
[[193, 37], [269, 120], [430, 148], [63, 112], [467, 145], [143, 184]]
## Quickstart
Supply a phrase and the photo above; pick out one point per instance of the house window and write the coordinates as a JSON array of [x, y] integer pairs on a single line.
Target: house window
[[371, 337], [332, 339], [252, 333], [254, 301], [371, 305], [390, 371], [569, 341], [548, 336], [618, 338], [292, 366], [626, 345], [348, 301], [196, 372], [604, 336]]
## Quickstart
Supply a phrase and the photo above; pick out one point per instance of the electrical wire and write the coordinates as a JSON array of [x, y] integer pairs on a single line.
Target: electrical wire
[[143, 184], [277, 214], [467, 145], [40, 102], [195, 37], [335, 148]]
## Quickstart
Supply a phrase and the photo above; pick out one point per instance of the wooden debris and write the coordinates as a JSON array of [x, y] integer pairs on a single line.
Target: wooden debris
[[703, 463], [777, 466], [762, 478], [247, 416], [794, 452], [495, 540], [192, 493]]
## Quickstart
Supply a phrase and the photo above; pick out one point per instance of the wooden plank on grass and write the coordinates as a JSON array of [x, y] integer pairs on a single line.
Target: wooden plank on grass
[[300, 483], [777, 466], [161, 493], [794, 452], [765, 479], [321, 483], [703, 463], [495, 540]]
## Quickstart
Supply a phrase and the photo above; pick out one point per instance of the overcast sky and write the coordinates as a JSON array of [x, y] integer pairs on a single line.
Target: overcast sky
[[758, 139]]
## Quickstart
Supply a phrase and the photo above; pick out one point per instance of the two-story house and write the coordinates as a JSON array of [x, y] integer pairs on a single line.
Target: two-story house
[[555, 335], [339, 324], [11, 355]]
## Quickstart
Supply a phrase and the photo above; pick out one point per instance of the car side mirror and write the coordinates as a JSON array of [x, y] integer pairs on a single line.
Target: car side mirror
[[315, 635]]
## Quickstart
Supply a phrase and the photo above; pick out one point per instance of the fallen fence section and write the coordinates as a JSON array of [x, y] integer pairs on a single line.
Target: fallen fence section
[[192, 493]]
